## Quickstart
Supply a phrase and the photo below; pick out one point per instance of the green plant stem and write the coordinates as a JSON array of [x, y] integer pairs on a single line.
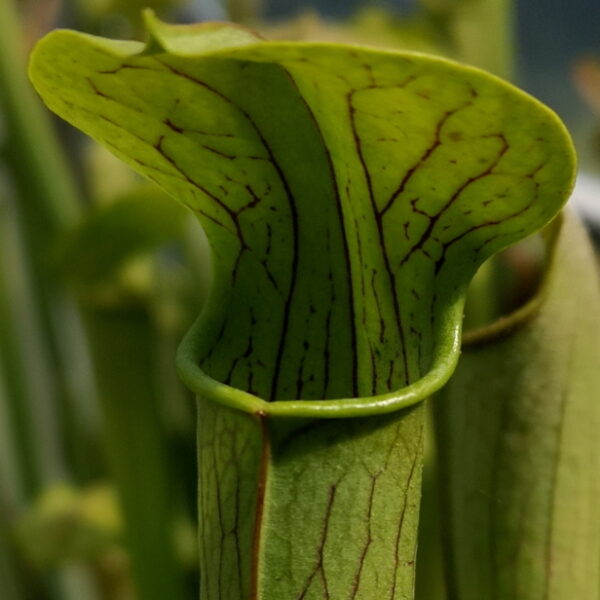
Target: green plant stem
[[480, 32], [321, 508], [12, 371], [484, 35], [242, 11], [17, 579], [48, 203], [38, 160], [9, 583], [122, 344], [518, 426]]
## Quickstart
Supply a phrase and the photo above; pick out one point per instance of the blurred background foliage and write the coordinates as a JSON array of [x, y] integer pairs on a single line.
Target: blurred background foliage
[[100, 276]]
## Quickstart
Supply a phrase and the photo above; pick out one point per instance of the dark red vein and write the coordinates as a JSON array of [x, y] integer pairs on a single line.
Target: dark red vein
[[369, 540], [260, 507], [293, 216], [340, 214], [413, 470], [319, 567], [379, 224], [433, 220], [437, 141]]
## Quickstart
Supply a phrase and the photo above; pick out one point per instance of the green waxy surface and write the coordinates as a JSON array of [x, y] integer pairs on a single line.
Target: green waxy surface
[[348, 195], [335, 516], [341, 508], [518, 440], [229, 463]]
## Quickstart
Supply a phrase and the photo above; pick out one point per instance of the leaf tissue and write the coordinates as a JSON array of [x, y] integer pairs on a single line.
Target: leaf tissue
[[349, 195]]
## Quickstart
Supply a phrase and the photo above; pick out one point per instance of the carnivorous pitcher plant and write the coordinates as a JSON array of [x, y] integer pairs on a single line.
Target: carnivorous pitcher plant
[[349, 196]]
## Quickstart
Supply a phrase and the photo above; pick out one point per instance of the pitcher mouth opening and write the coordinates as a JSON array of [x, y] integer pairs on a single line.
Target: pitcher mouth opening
[[444, 362], [442, 366]]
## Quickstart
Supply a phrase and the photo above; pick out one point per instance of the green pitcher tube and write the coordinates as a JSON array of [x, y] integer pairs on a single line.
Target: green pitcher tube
[[518, 442], [311, 509]]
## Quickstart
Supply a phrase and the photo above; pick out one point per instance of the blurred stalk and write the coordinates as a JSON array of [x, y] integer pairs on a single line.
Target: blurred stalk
[[9, 589], [48, 203], [242, 11], [29, 405], [37, 159], [12, 371], [484, 34], [17, 580], [9, 582], [9, 488], [481, 32], [30, 445], [122, 343], [10, 477]]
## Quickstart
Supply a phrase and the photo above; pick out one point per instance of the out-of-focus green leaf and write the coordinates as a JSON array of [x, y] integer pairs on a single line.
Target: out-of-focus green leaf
[[45, 203], [518, 438], [123, 348], [135, 223], [349, 196]]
